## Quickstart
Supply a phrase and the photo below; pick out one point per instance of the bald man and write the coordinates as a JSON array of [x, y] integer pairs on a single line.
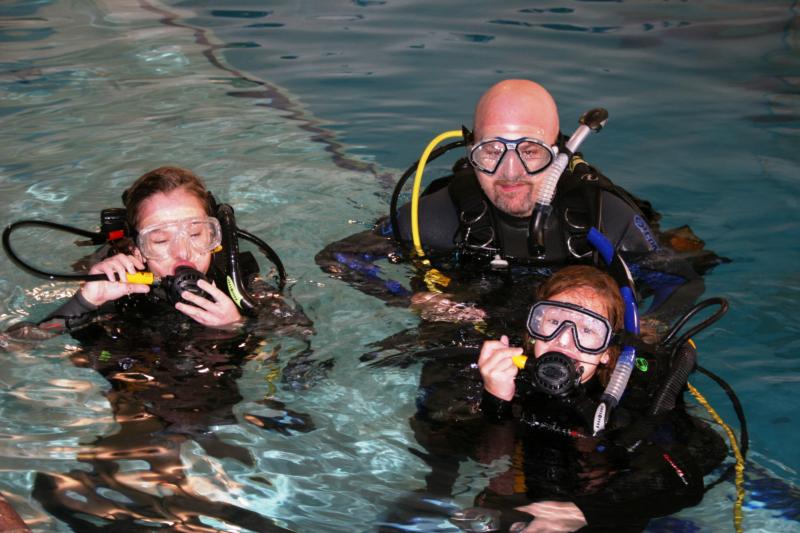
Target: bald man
[[484, 211], [514, 109], [480, 216]]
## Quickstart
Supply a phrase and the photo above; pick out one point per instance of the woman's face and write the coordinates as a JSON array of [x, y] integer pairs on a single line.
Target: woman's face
[[174, 206], [564, 341]]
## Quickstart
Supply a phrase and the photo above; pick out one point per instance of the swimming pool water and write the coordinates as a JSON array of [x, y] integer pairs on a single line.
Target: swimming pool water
[[301, 114]]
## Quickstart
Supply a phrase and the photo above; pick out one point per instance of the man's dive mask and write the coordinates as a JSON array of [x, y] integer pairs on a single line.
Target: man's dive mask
[[534, 154]]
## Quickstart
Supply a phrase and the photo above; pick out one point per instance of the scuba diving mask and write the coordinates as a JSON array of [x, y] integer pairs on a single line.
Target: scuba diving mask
[[591, 332], [534, 154], [200, 234]]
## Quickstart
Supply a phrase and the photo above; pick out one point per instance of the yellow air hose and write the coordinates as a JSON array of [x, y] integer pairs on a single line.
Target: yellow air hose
[[418, 184], [737, 507], [739, 479], [432, 277]]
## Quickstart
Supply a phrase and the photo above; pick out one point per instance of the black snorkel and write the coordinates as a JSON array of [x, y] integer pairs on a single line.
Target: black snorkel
[[591, 121], [230, 260], [234, 284]]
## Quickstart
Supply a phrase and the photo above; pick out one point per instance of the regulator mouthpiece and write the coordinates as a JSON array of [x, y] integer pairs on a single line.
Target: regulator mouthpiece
[[185, 279], [553, 373]]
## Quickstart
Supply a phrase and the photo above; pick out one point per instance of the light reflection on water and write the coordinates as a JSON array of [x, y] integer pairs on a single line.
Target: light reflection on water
[[97, 94]]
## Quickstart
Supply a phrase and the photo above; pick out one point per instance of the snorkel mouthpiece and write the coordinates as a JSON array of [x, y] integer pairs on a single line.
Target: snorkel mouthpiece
[[590, 122]]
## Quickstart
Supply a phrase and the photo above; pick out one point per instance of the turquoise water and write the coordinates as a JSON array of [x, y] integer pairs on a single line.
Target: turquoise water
[[301, 113]]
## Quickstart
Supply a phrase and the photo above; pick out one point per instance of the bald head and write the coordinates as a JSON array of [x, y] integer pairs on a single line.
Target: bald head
[[516, 108]]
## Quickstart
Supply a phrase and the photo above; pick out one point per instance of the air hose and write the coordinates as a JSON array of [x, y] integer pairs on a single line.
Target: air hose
[[591, 121], [143, 278], [415, 237], [625, 362], [407, 174]]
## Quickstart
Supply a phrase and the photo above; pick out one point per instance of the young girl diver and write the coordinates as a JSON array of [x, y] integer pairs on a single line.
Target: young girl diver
[[642, 466]]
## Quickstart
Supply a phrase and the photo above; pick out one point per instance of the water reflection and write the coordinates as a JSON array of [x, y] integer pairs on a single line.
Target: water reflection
[[172, 382]]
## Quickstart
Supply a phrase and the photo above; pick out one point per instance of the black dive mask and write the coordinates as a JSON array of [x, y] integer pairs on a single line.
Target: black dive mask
[[185, 279], [554, 374]]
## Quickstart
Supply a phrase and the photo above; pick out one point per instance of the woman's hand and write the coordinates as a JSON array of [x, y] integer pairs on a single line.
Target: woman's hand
[[551, 517], [115, 267], [497, 368], [219, 311]]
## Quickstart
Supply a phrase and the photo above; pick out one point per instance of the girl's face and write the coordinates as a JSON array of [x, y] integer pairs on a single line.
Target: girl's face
[[175, 206], [564, 341]]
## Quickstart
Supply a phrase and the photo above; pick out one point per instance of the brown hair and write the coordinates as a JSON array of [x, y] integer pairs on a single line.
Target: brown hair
[[593, 279], [162, 180]]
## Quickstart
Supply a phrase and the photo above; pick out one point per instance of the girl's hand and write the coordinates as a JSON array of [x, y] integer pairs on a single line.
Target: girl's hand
[[498, 369], [552, 517]]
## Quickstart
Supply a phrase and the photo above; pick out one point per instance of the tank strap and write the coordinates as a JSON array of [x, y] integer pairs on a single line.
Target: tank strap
[[578, 202], [476, 219]]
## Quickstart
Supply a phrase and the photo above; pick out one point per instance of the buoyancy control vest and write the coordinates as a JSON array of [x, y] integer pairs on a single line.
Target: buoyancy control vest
[[485, 231]]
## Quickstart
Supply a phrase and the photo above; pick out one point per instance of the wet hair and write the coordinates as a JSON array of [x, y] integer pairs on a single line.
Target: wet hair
[[585, 277], [162, 180]]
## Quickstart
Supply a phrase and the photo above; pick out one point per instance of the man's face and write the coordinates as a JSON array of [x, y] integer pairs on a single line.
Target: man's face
[[511, 189]]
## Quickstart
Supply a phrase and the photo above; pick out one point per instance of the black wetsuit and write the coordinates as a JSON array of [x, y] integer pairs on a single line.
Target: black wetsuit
[[641, 467]]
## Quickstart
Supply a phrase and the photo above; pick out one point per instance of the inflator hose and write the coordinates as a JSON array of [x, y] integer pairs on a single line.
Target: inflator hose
[[145, 278], [683, 363]]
